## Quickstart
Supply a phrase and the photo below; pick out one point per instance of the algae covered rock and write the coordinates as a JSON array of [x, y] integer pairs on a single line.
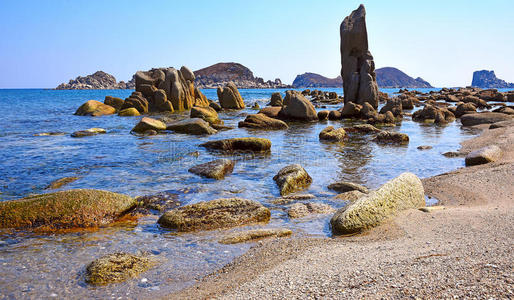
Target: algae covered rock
[[116, 267], [239, 144], [292, 178], [220, 213], [95, 108], [390, 137], [66, 209], [250, 235], [332, 135], [149, 124], [216, 169], [403, 192]]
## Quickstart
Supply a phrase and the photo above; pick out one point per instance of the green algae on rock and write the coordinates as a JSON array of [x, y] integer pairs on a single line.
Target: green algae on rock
[[79, 208], [250, 235], [116, 267], [403, 192], [332, 135], [292, 178], [219, 213], [216, 169], [239, 144]]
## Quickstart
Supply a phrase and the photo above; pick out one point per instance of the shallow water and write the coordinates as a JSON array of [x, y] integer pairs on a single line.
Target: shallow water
[[35, 266]]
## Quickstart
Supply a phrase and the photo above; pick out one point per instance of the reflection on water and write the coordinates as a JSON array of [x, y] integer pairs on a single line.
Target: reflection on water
[[43, 266]]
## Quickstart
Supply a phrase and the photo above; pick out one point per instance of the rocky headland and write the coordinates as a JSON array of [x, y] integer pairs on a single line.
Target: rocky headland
[[96, 81], [487, 79]]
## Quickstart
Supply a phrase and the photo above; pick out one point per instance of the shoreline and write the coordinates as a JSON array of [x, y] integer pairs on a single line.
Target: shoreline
[[463, 250]]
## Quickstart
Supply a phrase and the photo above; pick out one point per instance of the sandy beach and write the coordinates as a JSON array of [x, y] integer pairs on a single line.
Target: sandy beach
[[464, 250]]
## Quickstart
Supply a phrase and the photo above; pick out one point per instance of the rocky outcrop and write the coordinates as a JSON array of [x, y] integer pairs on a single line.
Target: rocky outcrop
[[216, 169], [251, 235], [229, 97], [96, 81], [484, 118], [483, 156], [261, 121], [291, 179], [116, 267], [222, 73], [297, 107], [432, 113], [403, 192], [95, 109], [239, 144], [357, 65], [65, 209], [313, 80], [487, 79], [220, 213]]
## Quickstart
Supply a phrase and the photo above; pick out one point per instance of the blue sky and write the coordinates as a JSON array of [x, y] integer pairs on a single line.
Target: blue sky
[[48, 42]]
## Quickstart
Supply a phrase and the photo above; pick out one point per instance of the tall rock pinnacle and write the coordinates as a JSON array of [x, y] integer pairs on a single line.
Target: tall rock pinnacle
[[357, 65]]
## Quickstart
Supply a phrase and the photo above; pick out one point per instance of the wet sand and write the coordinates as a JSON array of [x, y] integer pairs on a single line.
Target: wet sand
[[464, 250]]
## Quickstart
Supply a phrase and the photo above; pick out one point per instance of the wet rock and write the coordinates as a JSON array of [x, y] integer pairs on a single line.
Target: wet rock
[[150, 132], [434, 114], [95, 108], [483, 118], [149, 124], [345, 186], [465, 108], [116, 267], [483, 156], [386, 137], [335, 115], [207, 114], [159, 202], [271, 112], [65, 209], [55, 133], [251, 235], [368, 111], [239, 144], [292, 198], [297, 107], [403, 192], [351, 110], [292, 178], [256, 106], [323, 115], [220, 213], [216, 169], [408, 103], [333, 135], [261, 121], [276, 99], [364, 128], [61, 182], [300, 210], [215, 106], [194, 126], [424, 147], [115, 102], [476, 101], [88, 132], [229, 97], [129, 112], [452, 154], [350, 196], [394, 106]]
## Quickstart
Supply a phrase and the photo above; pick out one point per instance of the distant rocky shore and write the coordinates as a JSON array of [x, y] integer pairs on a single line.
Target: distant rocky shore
[[487, 79], [96, 81]]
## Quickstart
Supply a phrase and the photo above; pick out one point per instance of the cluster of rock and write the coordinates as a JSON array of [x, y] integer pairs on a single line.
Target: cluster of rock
[[98, 80], [487, 79]]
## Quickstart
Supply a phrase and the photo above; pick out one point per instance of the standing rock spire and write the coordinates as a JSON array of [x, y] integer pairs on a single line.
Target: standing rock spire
[[357, 65]]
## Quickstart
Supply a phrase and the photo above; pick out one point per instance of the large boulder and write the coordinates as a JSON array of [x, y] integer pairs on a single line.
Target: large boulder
[[332, 135], [483, 155], [357, 65], [271, 111], [276, 99], [229, 97], [115, 102], [261, 121], [220, 213], [394, 106], [137, 101], [465, 108], [239, 144], [351, 110], [66, 209], [208, 114], [403, 192], [95, 108], [194, 126], [149, 124], [292, 178], [483, 118], [116, 267], [297, 107], [216, 169]]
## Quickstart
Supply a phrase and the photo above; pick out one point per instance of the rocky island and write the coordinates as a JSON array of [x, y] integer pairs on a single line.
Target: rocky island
[[487, 79], [96, 81]]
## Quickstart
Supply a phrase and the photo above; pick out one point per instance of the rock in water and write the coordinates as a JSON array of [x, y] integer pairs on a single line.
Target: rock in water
[[115, 102], [390, 137], [239, 144], [220, 213], [129, 112], [149, 124], [483, 118], [208, 114], [250, 235], [116, 267], [276, 99], [229, 97], [403, 192], [61, 182], [261, 121], [292, 178], [332, 135], [195, 126], [216, 169], [65, 209], [484, 155], [357, 65], [88, 132], [344, 186], [95, 108], [300, 210], [297, 107]]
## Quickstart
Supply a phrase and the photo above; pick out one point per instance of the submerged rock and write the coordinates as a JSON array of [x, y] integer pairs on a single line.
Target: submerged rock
[[484, 155], [216, 169], [194, 126], [88, 132], [261, 121], [300, 210], [333, 135], [220, 213], [229, 97], [386, 137], [292, 198], [116, 267], [159, 202], [61, 182], [483, 118], [250, 235], [66, 209], [292, 178], [403, 192], [239, 144], [54, 133], [345, 186], [95, 108], [149, 124]]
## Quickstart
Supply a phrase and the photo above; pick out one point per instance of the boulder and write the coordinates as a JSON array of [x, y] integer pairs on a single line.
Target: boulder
[[483, 155], [394, 106], [291, 179], [502, 124], [434, 114], [323, 115], [194, 126], [276, 99], [357, 65], [215, 105], [403, 192], [251, 235], [271, 111], [65, 209], [464, 108], [483, 118], [505, 110], [208, 114], [149, 124], [390, 137], [408, 103], [137, 101], [115, 102], [333, 135], [95, 108], [216, 169], [129, 112], [300, 210], [261, 121], [116, 267], [335, 115], [351, 110], [220, 213], [239, 144], [88, 132], [160, 102], [229, 97], [345, 186], [364, 128], [367, 111], [297, 107]]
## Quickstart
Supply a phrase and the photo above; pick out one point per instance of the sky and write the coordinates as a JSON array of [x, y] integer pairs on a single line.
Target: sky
[[44, 43]]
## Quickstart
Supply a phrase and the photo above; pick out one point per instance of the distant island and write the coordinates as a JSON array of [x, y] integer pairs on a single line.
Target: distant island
[[96, 81], [487, 79], [387, 77]]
